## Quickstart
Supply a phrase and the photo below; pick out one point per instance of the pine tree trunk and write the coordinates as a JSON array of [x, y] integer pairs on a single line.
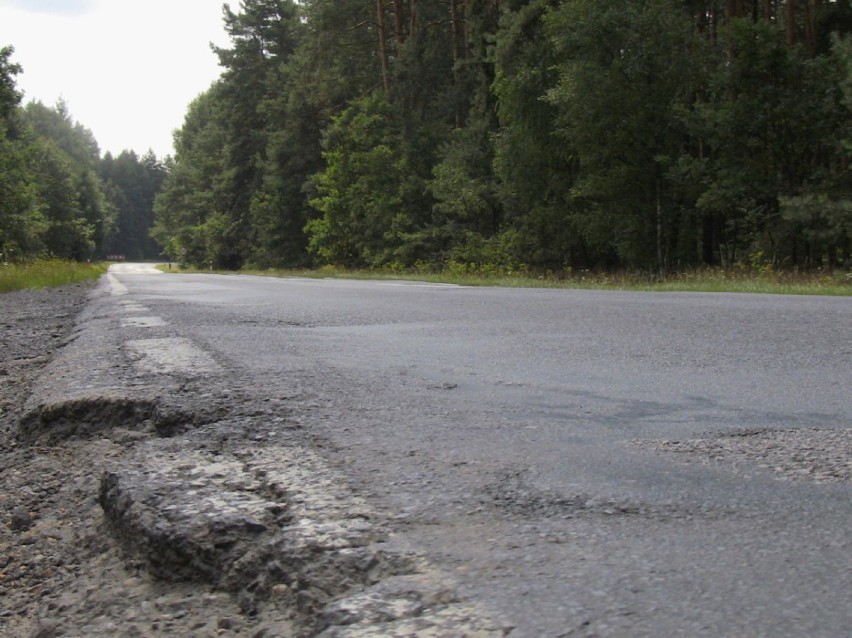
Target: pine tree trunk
[[790, 21], [730, 10], [812, 10], [383, 45], [467, 12], [734, 9], [399, 20], [456, 31]]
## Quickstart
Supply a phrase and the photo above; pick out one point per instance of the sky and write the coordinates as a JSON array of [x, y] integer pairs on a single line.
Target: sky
[[127, 69]]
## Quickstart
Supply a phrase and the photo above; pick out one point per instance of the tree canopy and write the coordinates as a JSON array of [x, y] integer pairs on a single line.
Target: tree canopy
[[58, 196], [473, 134], [538, 134]]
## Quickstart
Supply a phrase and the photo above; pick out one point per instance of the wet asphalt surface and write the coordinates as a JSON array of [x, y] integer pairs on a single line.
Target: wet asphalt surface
[[518, 438]]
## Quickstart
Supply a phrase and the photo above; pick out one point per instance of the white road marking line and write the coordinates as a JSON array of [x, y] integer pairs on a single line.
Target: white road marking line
[[171, 355], [142, 322], [132, 306], [116, 288]]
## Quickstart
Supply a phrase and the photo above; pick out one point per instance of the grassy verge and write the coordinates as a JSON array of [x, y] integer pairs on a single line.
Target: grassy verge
[[706, 280], [47, 273]]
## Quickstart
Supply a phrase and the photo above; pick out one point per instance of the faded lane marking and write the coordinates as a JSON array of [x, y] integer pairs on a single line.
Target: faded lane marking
[[133, 307], [135, 269], [116, 288], [171, 355], [142, 322]]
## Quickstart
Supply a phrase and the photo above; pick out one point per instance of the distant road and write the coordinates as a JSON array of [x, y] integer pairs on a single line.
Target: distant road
[[130, 268], [586, 463]]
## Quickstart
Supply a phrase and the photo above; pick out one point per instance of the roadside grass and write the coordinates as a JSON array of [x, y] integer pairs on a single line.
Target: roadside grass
[[835, 283], [47, 273]]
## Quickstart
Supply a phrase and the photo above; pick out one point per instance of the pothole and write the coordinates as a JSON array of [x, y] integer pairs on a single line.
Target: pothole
[[251, 525], [819, 455], [98, 415], [276, 526], [514, 494], [84, 416]]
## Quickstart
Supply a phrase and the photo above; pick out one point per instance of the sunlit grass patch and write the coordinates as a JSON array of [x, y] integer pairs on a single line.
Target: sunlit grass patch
[[837, 283], [47, 273]]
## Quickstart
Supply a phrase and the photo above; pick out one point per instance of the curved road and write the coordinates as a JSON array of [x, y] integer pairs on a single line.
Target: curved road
[[584, 463]]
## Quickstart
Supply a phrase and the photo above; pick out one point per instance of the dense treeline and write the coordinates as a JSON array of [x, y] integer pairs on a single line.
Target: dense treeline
[[513, 134], [58, 196]]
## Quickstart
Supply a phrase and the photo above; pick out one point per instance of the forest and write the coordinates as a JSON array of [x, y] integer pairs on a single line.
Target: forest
[[58, 196], [475, 135]]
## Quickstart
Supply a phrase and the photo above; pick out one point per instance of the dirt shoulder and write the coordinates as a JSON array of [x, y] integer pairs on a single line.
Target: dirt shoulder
[[45, 498], [34, 325], [61, 572]]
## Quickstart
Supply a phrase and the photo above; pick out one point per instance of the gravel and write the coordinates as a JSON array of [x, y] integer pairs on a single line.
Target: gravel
[[808, 454]]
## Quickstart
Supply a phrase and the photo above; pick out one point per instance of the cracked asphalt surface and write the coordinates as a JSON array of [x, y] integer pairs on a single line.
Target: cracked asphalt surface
[[552, 462]]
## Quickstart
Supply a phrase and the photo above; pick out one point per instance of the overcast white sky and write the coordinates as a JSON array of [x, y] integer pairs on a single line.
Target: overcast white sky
[[126, 68]]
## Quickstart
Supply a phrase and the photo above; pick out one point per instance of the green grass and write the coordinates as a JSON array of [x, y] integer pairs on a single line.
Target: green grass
[[705, 280], [47, 273]]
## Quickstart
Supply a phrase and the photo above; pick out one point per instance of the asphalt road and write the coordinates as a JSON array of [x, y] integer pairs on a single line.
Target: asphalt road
[[583, 463]]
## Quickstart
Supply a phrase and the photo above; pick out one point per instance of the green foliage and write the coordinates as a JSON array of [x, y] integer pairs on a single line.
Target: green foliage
[[71, 214], [365, 192], [56, 124], [263, 36], [467, 203], [227, 198], [821, 226], [132, 184], [21, 222], [624, 74], [190, 191], [10, 97], [535, 167], [53, 198], [555, 135], [768, 127]]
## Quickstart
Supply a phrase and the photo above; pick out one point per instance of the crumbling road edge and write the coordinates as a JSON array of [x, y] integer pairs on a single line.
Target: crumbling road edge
[[266, 520]]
